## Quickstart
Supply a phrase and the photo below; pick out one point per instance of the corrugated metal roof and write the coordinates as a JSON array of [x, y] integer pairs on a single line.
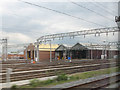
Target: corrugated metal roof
[[46, 47], [99, 46], [78, 46]]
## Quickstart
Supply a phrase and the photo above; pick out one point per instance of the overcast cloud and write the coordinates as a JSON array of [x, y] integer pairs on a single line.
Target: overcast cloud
[[23, 23]]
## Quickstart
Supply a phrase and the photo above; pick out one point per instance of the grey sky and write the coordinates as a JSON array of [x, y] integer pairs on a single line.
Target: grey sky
[[23, 23]]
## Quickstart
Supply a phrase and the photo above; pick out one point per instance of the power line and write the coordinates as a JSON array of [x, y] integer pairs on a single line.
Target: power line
[[91, 10], [63, 13], [103, 8]]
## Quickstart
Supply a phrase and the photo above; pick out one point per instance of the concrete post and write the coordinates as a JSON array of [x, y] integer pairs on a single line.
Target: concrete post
[[38, 52], [64, 55], [9, 71]]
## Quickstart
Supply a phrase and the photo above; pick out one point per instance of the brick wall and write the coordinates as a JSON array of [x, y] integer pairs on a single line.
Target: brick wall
[[15, 56], [45, 56]]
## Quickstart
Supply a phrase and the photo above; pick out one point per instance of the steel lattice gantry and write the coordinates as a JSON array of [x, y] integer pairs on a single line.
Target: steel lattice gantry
[[98, 31], [78, 33], [117, 44], [4, 43]]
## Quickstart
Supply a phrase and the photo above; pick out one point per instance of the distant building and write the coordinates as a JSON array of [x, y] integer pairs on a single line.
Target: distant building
[[15, 56], [62, 52], [86, 51], [44, 52], [77, 51], [29, 52]]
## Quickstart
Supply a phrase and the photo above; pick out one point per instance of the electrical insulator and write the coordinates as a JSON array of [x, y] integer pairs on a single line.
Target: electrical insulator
[[113, 33], [106, 34], [73, 37], [99, 34], [84, 36], [95, 35], [117, 18]]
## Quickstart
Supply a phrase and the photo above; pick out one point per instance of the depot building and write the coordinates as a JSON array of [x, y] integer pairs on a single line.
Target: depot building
[[86, 51], [62, 52]]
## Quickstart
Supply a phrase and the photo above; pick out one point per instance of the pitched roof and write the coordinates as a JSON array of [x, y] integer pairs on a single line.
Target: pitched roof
[[78, 46], [61, 48]]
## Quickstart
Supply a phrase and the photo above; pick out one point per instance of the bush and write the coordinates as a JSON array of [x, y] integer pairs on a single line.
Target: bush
[[62, 77], [34, 82], [48, 82], [14, 87]]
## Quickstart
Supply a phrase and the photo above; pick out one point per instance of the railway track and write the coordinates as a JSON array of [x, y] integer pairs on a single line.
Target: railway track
[[94, 83], [98, 84], [27, 67], [43, 65], [53, 70]]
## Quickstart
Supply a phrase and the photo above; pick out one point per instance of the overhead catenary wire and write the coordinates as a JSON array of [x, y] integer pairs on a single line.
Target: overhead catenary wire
[[105, 8], [63, 13], [99, 6], [91, 10]]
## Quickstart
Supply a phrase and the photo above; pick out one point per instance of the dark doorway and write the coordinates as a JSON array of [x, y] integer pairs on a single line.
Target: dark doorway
[[79, 54], [61, 54]]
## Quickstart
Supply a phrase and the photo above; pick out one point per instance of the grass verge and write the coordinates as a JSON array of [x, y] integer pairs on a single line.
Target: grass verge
[[63, 78]]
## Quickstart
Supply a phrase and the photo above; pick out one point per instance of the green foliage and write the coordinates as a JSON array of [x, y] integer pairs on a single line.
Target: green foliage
[[34, 82], [49, 81], [62, 77], [74, 77], [14, 87]]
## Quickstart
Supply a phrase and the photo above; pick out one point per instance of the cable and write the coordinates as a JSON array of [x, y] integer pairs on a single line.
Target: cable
[[103, 8], [91, 10], [62, 13]]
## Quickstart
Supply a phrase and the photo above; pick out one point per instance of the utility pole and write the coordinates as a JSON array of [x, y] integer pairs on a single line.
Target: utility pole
[[25, 53], [91, 52], [50, 52], [105, 50], [38, 51]]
